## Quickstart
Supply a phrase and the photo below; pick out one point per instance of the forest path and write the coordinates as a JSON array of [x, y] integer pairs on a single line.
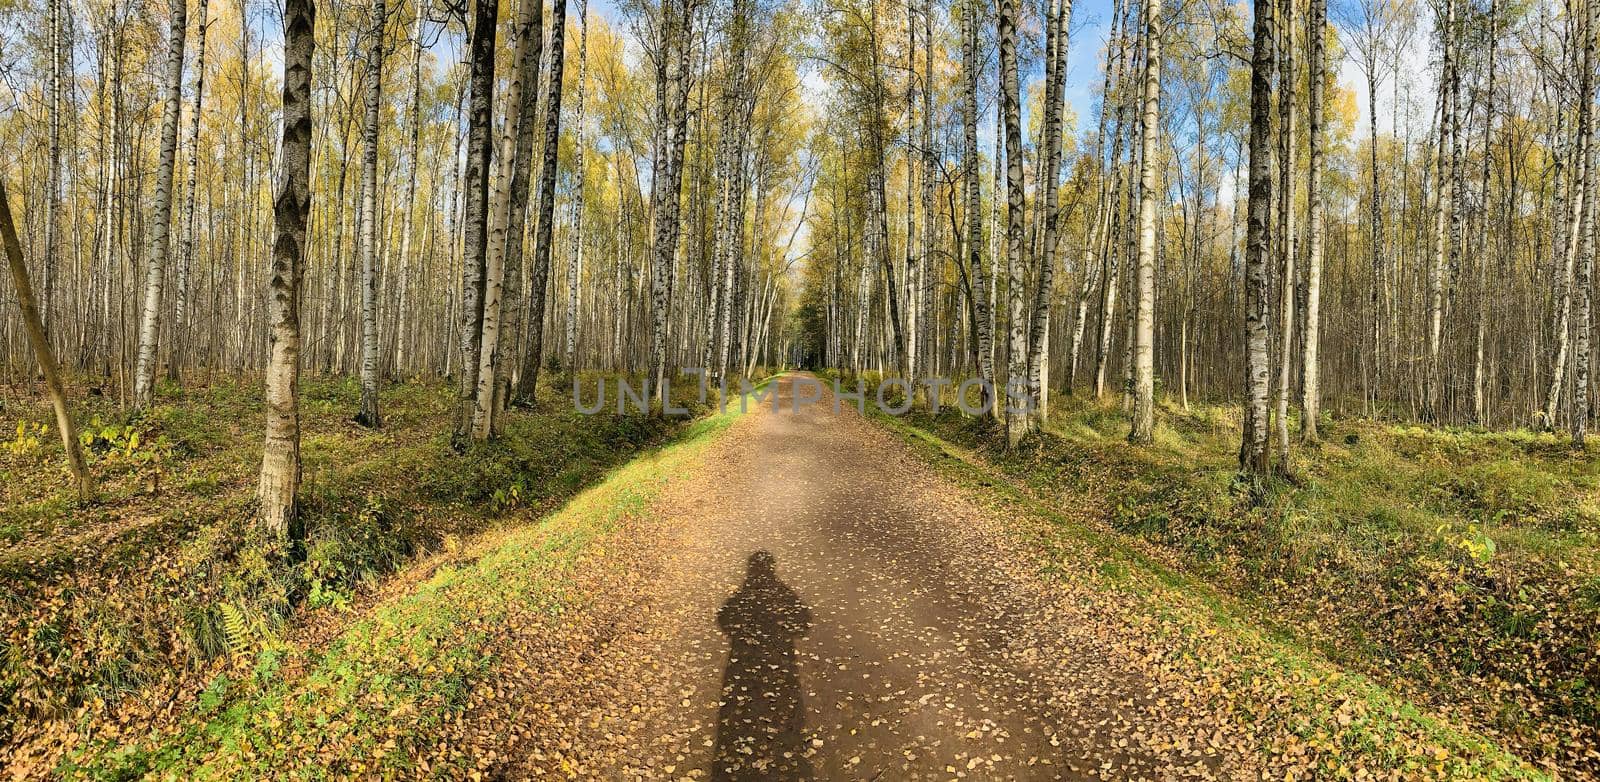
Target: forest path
[[813, 601]]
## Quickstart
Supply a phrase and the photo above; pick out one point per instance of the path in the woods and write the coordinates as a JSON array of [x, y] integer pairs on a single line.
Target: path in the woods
[[815, 602]]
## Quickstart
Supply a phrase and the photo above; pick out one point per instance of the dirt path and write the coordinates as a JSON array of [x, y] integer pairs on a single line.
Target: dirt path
[[814, 602]]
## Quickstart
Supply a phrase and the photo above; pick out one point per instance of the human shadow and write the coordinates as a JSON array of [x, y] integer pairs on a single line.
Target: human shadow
[[761, 725]]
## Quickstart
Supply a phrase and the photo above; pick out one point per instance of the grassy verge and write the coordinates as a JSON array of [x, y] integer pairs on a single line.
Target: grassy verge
[[387, 685], [1311, 718], [137, 601]]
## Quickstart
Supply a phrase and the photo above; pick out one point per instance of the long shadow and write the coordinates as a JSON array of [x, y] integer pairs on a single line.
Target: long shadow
[[761, 725]]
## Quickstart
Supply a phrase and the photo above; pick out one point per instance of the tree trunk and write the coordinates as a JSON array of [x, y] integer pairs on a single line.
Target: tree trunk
[[1310, 393], [1143, 428], [545, 228], [1579, 418], [33, 322], [369, 415], [508, 216], [144, 375], [181, 334], [1011, 111], [1444, 205], [280, 461], [575, 258], [981, 297], [480, 121], [413, 164], [55, 91], [1287, 77], [666, 181], [1057, 25], [1254, 456]]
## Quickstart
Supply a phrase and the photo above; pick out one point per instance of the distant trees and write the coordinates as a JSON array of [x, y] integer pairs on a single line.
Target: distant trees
[[817, 190]]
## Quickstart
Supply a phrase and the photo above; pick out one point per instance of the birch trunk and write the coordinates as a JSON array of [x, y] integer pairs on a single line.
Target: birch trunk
[[1443, 206], [502, 267], [1017, 367], [413, 145], [1583, 283], [545, 228], [1310, 392], [480, 121], [1287, 77], [280, 461], [575, 258], [981, 297], [1254, 456], [1143, 425], [369, 415], [33, 323], [1057, 25], [144, 374], [181, 341]]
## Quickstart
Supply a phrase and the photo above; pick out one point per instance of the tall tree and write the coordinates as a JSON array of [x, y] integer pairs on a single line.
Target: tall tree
[[1143, 429], [666, 181], [1011, 113], [569, 356], [369, 415], [475, 211], [544, 237], [1583, 282], [1057, 26], [1288, 76], [144, 375], [1255, 460], [181, 339], [971, 12], [42, 352], [280, 457], [1444, 207], [508, 217], [1310, 393]]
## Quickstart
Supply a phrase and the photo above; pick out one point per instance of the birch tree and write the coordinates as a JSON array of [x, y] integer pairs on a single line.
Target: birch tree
[[545, 229], [144, 375], [1143, 428], [369, 415], [1254, 456], [280, 459], [1011, 111], [475, 210], [42, 352]]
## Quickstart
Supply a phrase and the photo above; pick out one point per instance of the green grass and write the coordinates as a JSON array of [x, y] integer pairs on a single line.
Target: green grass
[[1456, 566], [167, 575], [1340, 721], [382, 687]]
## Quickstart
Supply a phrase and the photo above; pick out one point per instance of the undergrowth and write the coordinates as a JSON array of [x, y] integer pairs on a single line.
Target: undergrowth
[[168, 573], [1459, 567]]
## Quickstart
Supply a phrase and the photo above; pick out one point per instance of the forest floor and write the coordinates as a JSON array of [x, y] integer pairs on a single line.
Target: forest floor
[[120, 611], [778, 596], [1459, 568]]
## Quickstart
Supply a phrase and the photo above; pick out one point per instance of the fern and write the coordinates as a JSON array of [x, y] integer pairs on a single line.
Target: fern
[[236, 627]]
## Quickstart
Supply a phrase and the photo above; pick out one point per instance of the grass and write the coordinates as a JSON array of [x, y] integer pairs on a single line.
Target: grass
[[1455, 567], [387, 684], [166, 578], [1332, 722]]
